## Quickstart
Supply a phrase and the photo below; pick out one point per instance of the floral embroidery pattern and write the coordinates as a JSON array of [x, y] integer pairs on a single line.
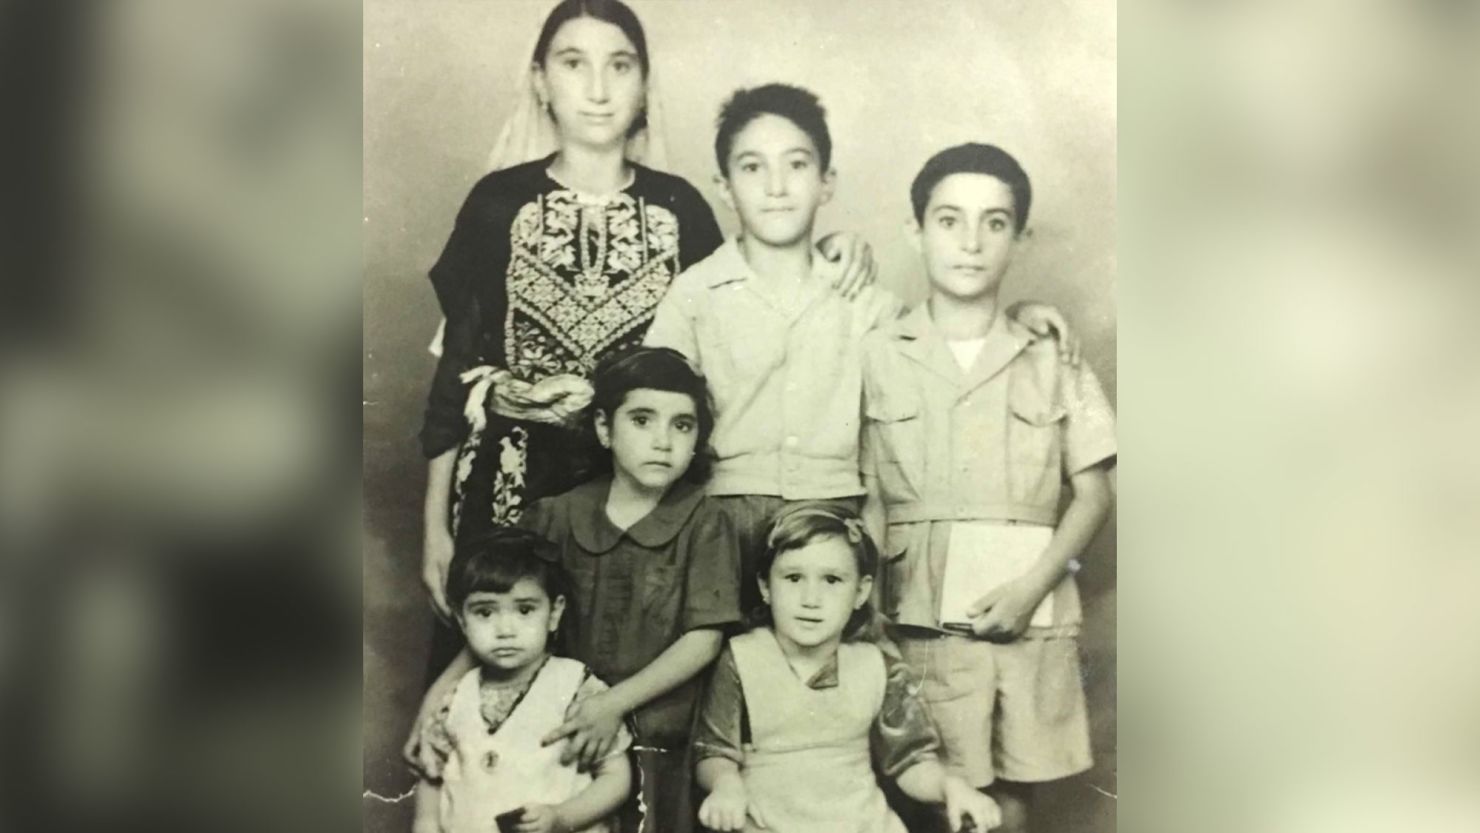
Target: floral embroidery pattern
[[508, 481], [584, 279]]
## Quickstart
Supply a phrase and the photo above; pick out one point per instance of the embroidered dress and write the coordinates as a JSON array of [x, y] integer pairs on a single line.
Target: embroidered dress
[[542, 281]]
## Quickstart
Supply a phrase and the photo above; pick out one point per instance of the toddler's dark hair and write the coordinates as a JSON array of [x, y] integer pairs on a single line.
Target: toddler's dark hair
[[800, 524], [495, 561], [796, 105], [655, 368], [974, 158]]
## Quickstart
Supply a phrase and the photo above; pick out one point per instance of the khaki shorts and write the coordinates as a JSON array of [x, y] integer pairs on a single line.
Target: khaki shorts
[[1014, 711]]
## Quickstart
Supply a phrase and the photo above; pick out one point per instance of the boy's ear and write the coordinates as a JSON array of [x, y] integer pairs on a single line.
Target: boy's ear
[[557, 609], [829, 184], [603, 428], [912, 233], [765, 591], [865, 591], [722, 182]]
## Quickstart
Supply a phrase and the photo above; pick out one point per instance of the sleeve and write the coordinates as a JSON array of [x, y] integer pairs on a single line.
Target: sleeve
[[1089, 424], [673, 323], [698, 231], [436, 741], [719, 733], [712, 579], [540, 518], [868, 450], [473, 252], [591, 686], [903, 734], [445, 424], [880, 307]]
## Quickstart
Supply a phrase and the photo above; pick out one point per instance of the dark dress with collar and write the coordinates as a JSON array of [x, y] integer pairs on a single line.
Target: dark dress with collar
[[635, 592]]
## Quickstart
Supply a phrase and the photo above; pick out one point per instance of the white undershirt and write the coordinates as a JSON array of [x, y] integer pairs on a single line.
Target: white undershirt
[[966, 350]]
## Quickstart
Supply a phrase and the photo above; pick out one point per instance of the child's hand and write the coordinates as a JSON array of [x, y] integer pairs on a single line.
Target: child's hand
[[539, 818], [726, 807], [1045, 320], [848, 263], [965, 804], [592, 726], [1004, 613]]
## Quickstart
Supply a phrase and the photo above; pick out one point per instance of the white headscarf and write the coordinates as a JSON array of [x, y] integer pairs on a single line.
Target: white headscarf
[[530, 133]]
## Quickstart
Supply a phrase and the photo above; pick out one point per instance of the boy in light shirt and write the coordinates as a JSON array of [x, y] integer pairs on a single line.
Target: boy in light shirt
[[972, 426]]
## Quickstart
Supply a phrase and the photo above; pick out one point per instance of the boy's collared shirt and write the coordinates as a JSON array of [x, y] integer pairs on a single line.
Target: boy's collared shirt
[[784, 370], [992, 443]]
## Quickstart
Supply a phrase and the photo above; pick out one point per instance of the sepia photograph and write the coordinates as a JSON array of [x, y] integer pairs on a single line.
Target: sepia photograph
[[739, 425]]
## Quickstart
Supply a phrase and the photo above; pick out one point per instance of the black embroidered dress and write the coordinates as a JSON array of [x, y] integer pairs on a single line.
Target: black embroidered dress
[[542, 280]]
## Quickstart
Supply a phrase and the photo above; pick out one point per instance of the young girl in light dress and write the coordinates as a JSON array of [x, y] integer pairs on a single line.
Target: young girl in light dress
[[485, 762], [803, 707]]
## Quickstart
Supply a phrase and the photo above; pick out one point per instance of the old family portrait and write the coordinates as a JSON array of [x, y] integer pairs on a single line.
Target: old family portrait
[[740, 439]]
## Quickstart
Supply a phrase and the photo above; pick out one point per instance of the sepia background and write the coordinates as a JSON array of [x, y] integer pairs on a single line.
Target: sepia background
[[900, 80]]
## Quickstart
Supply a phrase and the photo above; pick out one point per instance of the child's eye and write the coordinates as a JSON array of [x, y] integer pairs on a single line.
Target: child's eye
[[639, 419], [750, 167], [800, 164], [998, 224], [571, 63], [792, 577], [622, 67], [946, 222], [684, 425], [525, 610], [834, 579]]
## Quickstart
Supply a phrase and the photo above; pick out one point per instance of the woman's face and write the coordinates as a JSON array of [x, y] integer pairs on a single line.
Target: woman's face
[[593, 81]]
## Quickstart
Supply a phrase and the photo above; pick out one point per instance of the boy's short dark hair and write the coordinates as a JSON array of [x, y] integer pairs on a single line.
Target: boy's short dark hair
[[974, 158], [654, 368], [495, 561], [796, 105]]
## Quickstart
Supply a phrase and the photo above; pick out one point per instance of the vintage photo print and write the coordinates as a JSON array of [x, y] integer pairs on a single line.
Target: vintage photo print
[[739, 427]]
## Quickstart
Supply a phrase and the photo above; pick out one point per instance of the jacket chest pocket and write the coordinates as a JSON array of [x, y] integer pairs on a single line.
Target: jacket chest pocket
[[897, 433], [1035, 446]]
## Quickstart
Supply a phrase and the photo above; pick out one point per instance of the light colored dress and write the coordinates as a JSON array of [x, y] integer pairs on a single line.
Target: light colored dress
[[493, 772], [808, 765]]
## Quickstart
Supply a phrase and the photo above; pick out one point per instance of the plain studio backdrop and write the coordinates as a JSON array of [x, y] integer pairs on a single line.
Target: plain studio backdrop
[[901, 79]]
